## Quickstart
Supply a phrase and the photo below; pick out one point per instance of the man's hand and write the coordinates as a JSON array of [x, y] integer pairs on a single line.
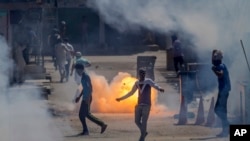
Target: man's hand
[[213, 68], [77, 99], [162, 90], [118, 99]]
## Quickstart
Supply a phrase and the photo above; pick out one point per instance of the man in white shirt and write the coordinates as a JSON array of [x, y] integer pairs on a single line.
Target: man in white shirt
[[60, 51], [69, 56]]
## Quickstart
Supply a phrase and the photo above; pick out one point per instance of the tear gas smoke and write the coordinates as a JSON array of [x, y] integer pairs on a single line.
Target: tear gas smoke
[[105, 94], [209, 25], [23, 115]]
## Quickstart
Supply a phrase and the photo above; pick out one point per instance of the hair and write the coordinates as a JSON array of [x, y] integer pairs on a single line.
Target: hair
[[217, 55], [142, 71]]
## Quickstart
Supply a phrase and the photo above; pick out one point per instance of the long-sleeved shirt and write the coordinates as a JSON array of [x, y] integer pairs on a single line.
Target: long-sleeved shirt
[[144, 90]]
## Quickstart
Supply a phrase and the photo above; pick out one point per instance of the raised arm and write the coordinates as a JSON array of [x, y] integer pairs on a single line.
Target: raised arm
[[218, 72], [132, 91]]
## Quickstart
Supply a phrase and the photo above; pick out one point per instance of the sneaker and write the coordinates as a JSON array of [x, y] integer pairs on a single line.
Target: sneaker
[[61, 80], [142, 138], [103, 128]]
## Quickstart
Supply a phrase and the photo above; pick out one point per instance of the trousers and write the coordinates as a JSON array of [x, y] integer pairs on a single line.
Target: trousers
[[85, 113], [141, 117]]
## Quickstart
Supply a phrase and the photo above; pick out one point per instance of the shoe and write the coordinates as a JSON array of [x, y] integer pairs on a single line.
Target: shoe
[[104, 127], [142, 138], [83, 134]]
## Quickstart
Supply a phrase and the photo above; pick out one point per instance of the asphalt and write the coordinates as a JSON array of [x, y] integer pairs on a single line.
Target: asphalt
[[109, 67]]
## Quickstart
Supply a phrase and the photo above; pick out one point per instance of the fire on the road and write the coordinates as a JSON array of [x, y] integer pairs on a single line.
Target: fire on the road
[[105, 94]]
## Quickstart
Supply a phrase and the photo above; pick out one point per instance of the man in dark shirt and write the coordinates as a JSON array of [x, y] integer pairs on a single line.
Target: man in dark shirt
[[177, 54], [224, 87], [86, 101], [142, 109]]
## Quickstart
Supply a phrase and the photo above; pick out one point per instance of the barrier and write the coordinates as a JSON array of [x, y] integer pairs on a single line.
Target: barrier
[[187, 86], [211, 115], [148, 63], [183, 112], [200, 119]]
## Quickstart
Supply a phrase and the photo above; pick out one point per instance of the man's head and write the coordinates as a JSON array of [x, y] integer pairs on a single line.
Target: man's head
[[174, 37], [63, 23], [78, 55], [217, 57], [142, 73]]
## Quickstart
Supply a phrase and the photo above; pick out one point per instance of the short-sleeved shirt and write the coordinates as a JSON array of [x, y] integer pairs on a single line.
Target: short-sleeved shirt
[[224, 81], [81, 61], [144, 93], [87, 86]]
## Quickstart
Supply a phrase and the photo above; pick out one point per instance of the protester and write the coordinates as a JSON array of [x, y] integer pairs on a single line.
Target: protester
[[63, 28], [69, 56], [177, 54], [142, 109], [53, 39], [19, 63], [86, 95], [224, 86], [60, 51]]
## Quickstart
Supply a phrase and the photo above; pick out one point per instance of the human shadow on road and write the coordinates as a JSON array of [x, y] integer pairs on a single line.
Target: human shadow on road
[[205, 138]]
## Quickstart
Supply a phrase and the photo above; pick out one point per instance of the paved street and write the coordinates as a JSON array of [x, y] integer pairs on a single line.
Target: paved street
[[121, 126]]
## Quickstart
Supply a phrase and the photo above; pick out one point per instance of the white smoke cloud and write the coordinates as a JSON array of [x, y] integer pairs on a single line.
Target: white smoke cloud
[[23, 114], [209, 25]]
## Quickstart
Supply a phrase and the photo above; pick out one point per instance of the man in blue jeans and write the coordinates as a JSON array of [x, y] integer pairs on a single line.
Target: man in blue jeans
[[142, 109], [86, 101], [224, 87]]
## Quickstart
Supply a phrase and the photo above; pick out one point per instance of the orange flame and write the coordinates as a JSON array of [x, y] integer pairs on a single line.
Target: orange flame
[[104, 94]]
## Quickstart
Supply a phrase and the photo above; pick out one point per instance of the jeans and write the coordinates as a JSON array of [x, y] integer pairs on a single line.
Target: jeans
[[221, 108], [141, 117], [178, 61], [85, 113]]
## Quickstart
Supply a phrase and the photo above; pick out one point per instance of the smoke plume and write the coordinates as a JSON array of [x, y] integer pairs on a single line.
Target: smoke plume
[[23, 114], [209, 25]]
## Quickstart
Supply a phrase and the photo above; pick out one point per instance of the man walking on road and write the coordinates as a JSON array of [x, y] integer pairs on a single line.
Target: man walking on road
[[69, 56], [60, 51], [142, 109], [177, 54], [86, 95]]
